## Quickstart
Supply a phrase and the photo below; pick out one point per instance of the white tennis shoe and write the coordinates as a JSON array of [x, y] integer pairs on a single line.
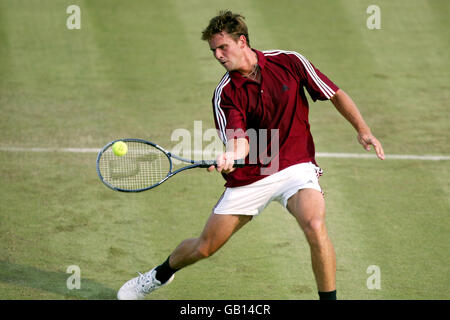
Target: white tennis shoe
[[137, 288]]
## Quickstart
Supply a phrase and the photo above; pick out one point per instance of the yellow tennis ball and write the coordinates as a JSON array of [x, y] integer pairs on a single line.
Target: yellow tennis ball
[[120, 148]]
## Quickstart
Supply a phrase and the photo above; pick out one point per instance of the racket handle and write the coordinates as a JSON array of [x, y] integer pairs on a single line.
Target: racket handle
[[239, 163], [208, 163]]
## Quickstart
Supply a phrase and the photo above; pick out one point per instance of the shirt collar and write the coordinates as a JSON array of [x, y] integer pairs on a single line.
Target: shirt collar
[[238, 79]]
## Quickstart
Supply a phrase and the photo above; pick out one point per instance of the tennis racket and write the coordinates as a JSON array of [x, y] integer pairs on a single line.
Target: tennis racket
[[146, 165]]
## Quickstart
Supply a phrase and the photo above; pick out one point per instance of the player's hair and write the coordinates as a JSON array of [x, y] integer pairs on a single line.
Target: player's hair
[[227, 21]]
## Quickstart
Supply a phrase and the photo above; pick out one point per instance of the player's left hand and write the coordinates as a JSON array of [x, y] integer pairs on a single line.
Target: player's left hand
[[367, 139]]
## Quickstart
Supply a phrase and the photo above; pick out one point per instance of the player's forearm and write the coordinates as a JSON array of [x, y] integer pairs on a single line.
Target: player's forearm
[[239, 147], [345, 105]]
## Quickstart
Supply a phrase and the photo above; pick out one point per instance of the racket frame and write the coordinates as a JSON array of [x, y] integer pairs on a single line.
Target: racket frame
[[193, 164]]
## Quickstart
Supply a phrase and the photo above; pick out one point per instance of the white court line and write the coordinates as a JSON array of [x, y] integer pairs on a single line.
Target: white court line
[[388, 156], [73, 150], [198, 153]]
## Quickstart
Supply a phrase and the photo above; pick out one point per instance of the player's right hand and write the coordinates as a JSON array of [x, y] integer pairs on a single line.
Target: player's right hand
[[225, 163]]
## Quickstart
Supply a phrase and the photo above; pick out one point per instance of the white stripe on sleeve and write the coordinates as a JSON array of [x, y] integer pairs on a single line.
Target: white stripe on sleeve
[[220, 115], [326, 90]]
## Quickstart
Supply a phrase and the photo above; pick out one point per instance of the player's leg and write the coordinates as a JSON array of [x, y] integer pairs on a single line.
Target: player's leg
[[308, 207], [218, 229], [233, 210]]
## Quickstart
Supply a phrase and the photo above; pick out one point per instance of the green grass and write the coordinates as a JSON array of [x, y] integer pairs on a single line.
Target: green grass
[[139, 69]]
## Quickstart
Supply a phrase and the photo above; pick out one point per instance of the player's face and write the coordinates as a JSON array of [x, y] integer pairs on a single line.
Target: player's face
[[227, 51]]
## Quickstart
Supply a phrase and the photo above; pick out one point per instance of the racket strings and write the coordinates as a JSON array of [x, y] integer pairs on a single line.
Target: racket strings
[[141, 167]]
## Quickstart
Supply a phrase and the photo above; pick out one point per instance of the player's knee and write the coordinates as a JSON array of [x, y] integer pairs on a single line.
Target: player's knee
[[315, 230], [203, 250]]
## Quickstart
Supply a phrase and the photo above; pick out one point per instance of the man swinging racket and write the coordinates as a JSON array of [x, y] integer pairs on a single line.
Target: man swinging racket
[[263, 90]]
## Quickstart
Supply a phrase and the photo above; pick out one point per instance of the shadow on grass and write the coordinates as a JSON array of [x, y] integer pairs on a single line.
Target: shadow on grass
[[54, 282]]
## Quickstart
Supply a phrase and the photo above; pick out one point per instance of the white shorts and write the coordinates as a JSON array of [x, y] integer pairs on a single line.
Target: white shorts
[[253, 198]]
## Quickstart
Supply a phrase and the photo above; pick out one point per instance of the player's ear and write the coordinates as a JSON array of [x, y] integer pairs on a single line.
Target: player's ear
[[242, 41]]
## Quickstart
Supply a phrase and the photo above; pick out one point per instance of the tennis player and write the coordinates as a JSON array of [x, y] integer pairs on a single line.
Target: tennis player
[[263, 92]]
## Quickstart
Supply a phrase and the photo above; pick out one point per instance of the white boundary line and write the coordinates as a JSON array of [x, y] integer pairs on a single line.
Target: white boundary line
[[198, 153], [73, 150], [388, 156]]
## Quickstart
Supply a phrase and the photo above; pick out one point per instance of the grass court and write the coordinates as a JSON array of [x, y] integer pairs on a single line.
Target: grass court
[[139, 69]]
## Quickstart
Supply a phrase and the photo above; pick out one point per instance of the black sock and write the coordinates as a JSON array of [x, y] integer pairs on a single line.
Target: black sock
[[330, 295], [164, 271]]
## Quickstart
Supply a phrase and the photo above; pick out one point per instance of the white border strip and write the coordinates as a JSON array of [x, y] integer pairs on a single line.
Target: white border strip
[[197, 153]]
